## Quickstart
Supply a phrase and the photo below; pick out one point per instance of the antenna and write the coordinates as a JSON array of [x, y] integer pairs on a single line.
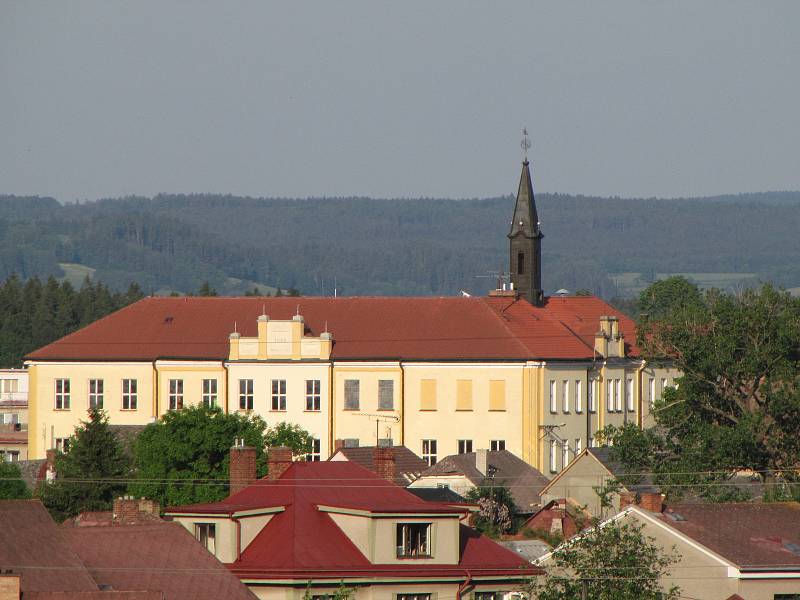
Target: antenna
[[525, 144], [234, 328], [298, 311], [326, 326], [378, 420], [264, 309]]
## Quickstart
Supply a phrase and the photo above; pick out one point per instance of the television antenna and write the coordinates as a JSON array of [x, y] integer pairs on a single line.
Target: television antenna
[[378, 420]]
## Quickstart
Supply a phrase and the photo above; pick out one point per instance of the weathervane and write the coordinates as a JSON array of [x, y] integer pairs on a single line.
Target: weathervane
[[525, 144]]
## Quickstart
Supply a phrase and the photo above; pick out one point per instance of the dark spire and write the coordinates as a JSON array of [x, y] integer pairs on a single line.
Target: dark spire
[[526, 219]]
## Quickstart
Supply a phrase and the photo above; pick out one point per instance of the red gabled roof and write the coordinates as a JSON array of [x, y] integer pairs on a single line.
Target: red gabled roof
[[452, 328], [303, 542]]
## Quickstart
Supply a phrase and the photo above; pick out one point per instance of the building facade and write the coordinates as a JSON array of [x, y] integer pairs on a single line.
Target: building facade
[[13, 414]]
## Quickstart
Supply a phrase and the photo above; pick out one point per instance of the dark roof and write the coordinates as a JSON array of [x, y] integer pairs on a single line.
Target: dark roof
[[161, 557], [638, 483], [97, 595], [523, 481], [32, 546], [303, 542], [451, 328], [32, 471], [750, 535], [127, 434], [407, 465], [438, 494]]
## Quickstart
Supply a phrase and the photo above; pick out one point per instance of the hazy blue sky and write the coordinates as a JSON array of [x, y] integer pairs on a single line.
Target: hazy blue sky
[[388, 99]]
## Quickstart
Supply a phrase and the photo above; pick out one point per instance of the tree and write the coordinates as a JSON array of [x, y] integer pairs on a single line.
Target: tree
[[91, 474], [497, 509], [669, 295], [11, 484], [613, 560], [292, 436], [185, 456], [206, 290]]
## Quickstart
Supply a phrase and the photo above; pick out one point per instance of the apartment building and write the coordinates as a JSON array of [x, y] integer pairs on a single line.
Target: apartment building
[[13, 414]]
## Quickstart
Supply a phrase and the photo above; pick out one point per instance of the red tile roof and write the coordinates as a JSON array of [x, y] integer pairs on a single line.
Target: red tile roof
[[303, 542], [452, 328], [750, 535]]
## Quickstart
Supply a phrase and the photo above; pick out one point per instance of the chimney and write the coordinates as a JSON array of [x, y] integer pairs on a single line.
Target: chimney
[[338, 444], [130, 511], [279, 460], [649, 501], [482, 461], [9, 585], [383, 459], [242, 466]]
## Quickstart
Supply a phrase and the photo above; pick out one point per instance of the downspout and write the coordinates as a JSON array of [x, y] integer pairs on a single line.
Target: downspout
[[155, 389], [589, 412], [225, 383], [463, 585], [238, 537], [331, 383], [639, 399], [402, 404]]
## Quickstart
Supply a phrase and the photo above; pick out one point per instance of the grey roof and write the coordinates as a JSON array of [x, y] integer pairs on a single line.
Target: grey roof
[[523, 481], [643, 483], [407, 465], [127, 434], [530, 550], [437, 494], [31, 470]]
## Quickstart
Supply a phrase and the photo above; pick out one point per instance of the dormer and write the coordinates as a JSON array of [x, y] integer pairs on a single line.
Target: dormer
[[609, 341], [281, 340]]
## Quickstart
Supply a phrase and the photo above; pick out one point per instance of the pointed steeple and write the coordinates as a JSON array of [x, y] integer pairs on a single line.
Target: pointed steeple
[[526, 219]]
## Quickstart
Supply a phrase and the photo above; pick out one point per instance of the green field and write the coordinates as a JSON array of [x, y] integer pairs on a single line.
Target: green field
[[630, 284], [75, 273]]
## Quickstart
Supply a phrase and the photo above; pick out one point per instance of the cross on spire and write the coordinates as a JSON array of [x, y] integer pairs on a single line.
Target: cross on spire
[[525, 144]]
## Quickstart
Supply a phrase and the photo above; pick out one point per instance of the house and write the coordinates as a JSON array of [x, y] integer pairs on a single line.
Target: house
[[13, 414], [394, 463], [464, 472], [748, 550], [311, 527], [591, 470], [515, 370], [557, 518]]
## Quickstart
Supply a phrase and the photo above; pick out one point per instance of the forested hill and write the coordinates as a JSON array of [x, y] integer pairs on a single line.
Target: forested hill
[[611, 246]]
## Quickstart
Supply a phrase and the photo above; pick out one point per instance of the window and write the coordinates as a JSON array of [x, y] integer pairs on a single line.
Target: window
[[130, 394], [427, 394], [564, 453], [553, 456], [578, 446], [175, 394], [565, 396], [206, 534], [386, 394], [553, 400], [520, 263], [591, 442], [663, 387], [8, 386], [420, 597], [316, 451], [62, 394], [429, 452], [651, 391], [96, 393], [618, 395], [209, 393], [590, 396], [464, 446], [488, 596], [352, 389], [578, 399], [62, 445], [629, 395], [464, 394], [9, 455], [278, 394], [497, 394], [497, 445], [610, 395], [9, 418], [246, 394], [413, 540], [313, 394]]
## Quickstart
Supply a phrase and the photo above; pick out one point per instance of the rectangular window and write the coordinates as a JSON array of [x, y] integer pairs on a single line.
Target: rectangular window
[[130, 394], [565, 396], [8, 386], [313, 401], [464, 394], [413, 540], [352, 394], [578, 446], [564, 454], [206, 534], [651, 391], [497, 394], [591, 406], [553, 399], [629, 395], [246, 394], [420, 597], [316, 451], [96, 394], [610, 395], [663, 387], [578, 398], [429, 452], [497, 445], [488, 596], [9, 455], [175, 394], [62, 445], [618, 395], [553, 456], [279, 394], [386, 394], [62, 394], [427, 394], [209, 393], [464, 446]]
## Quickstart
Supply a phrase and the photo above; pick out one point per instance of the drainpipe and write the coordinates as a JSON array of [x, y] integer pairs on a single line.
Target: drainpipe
[[226, 384], [639, 399], [331, 411], [588, 412], [462, 587], [402, 404], [238, 537], [155, 390]]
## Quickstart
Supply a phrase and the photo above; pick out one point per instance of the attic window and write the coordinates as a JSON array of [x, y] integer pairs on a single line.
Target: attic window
[[413, 540]]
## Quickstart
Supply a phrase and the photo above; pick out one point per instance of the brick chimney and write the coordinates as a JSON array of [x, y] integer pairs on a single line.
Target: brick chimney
[[383, 459], [242, 466], [130, 511], [279, 459], [650, 501]]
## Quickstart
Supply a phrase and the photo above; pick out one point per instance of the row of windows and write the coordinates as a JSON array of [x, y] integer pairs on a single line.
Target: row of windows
[[130, 394], [430, 449], [9, 386], [571, 395], [352, 394], [567, 453]]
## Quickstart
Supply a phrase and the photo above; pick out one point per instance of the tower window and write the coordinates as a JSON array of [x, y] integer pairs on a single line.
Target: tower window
[[521, 263]]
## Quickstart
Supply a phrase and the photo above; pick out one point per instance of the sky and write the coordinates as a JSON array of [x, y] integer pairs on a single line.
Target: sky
[[398, 99]]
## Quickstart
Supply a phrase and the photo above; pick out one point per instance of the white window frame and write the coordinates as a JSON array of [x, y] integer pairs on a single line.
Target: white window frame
[[565, 450], [553, 399], [62, 397], [565, 396], [316, 451], [403, 540], [578, 446], [206, 534], [610, 395], [497, 445], [553, 456], [664, 385], [652, 391], [278, 395], [429, 451], [130, 394], [591, 396], [618, 395], [175, 394], [629, 395], [464, 446], [96, 388], [578, 396], [313, 395], [246, 394], [61, 444], [210, 391]]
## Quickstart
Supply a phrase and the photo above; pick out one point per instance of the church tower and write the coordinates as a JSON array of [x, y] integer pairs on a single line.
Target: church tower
[[525, 240]]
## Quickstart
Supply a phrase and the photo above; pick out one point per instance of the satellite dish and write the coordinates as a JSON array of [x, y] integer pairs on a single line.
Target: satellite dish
[[562, 292]]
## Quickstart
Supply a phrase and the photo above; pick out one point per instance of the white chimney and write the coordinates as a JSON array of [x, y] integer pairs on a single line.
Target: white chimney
[[482, 461]]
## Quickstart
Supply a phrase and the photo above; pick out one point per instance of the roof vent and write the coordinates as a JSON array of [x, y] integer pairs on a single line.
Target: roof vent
[[675, 516], [562, 292], [168, 319]]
